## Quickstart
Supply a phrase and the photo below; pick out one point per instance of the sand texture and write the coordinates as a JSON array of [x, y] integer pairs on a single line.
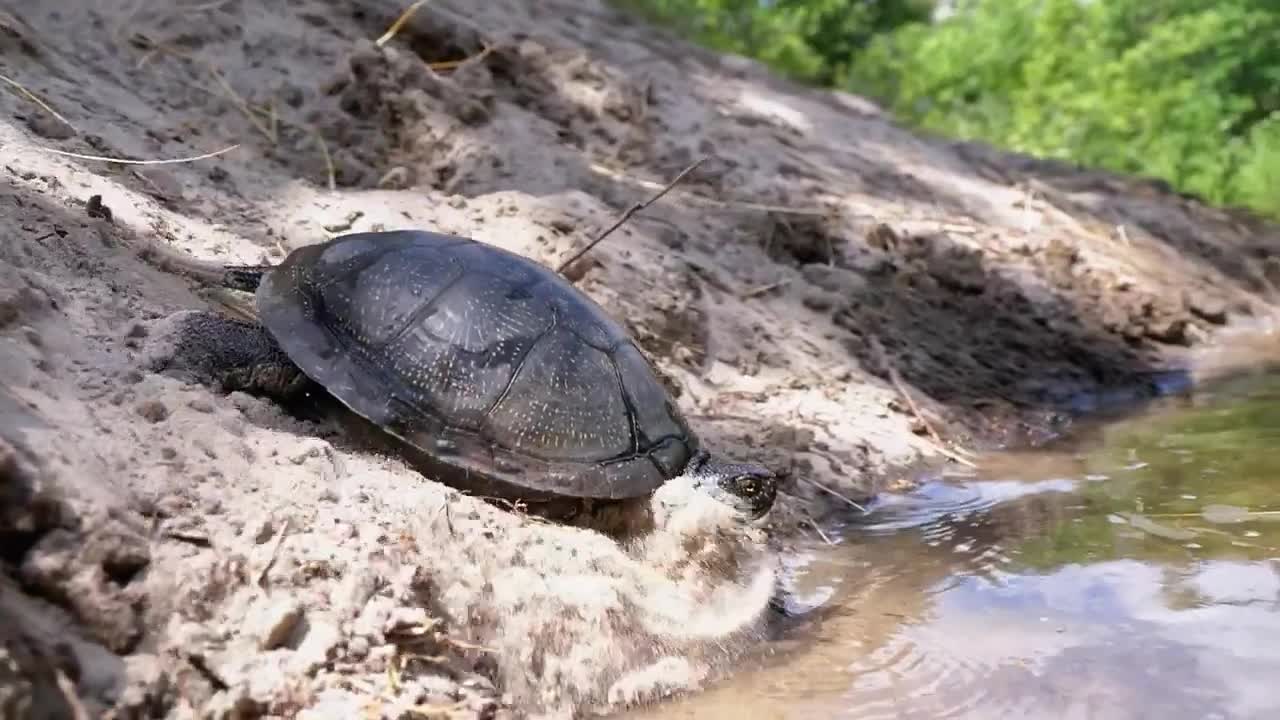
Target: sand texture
[[169, 549]]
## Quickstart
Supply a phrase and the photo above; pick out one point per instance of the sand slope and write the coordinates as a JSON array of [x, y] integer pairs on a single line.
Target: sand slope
[[173, 551]]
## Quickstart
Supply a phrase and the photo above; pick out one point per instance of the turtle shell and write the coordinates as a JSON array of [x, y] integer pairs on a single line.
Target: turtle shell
[[482, 359]]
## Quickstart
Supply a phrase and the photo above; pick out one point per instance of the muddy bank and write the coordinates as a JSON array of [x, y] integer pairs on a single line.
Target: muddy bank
[[823, 294]]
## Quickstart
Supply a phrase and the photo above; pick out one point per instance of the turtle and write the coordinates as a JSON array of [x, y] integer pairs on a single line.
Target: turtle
[[482, 361]]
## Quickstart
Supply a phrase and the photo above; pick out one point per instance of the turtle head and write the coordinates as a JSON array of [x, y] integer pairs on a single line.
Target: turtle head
[[749, 488]]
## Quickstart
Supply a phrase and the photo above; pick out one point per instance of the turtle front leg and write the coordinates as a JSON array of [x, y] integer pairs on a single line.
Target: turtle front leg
[[280, 380], [213, 348]]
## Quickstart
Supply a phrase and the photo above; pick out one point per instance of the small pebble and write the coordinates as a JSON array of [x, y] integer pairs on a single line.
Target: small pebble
[[260, 529], [153, 410], [310, 449], [358, 647], [274, 621], [317, 647]]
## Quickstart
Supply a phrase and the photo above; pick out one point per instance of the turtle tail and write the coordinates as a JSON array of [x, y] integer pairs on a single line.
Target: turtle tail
[[245, 278]]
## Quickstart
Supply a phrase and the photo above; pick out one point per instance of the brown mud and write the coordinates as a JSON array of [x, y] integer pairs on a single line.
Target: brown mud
[[170, 550]]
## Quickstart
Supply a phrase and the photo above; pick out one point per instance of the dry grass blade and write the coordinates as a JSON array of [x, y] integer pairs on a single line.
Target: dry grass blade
[[36, 99], [451, 64], [126, 161], [273, 117], [464, 645], [399, 23], [72, 698], [330, 170], [631, 211], [438, 710], [756, 292], [240, 102], [230, 92], [393, 670], [266, 119]]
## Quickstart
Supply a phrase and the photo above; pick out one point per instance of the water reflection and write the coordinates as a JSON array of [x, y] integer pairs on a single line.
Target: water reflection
[[1131, 572]]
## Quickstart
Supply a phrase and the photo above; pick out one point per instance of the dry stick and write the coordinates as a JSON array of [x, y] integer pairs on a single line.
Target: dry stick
[[35, 99], [630, 211], [399, 23], [898, 385]]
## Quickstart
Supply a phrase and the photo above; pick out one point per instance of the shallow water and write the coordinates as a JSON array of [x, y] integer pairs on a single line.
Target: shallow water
[[1131, 572]]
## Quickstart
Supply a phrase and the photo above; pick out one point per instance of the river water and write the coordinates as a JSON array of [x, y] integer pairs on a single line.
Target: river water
[[1131, 571]]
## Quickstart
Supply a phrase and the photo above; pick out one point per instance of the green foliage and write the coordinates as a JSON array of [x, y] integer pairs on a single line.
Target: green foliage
[[811, 40], [1184, 90]]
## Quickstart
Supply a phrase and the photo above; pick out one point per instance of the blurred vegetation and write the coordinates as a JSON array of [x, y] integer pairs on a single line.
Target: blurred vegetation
[[1183, 90]]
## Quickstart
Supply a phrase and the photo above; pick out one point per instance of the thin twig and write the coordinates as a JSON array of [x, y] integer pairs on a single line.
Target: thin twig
[[275, 549], [72, 698], [951, 454], [202, 666], [898, 385], [712, 202], [332, 172], [206, 6], [124, 161], [829, 491], [400, 21], [464, 645], [240, 102], [631, 211], [755, 292], [35, 99], [818, 529]]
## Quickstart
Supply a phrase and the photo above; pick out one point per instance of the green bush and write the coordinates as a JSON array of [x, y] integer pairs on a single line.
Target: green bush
[[810, 40], [1184, 90]]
